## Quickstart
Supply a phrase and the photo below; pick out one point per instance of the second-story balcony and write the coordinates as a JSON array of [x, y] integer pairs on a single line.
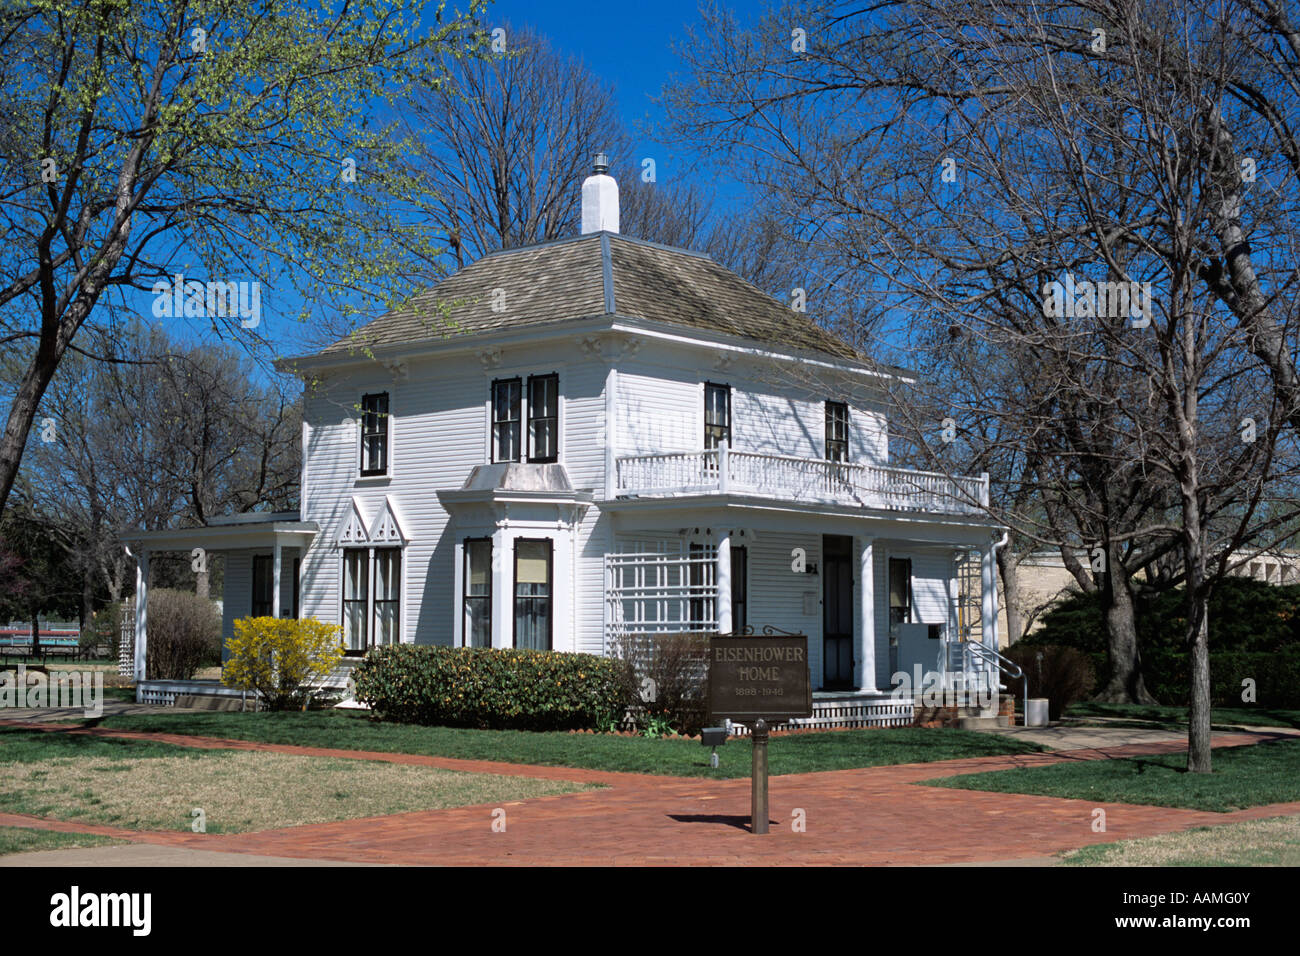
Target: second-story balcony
[[785, 478]]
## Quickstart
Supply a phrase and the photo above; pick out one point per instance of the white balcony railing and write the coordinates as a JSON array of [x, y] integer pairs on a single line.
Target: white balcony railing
[[784, 477]]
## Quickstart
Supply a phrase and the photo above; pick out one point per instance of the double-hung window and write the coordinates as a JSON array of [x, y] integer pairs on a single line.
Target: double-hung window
[[477, 597], [900, 590], [374, 434], [717, 415], [543, 417], [837, 431], [372, 597], [539, 406], [263, 585], [533, 604], [506, 423]]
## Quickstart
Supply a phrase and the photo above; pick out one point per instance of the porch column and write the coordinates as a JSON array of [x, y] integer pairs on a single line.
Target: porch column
[[503, 586], [865, 678], [275, 579], [723, 582], [989, 603], [141, 614], [611, 433]]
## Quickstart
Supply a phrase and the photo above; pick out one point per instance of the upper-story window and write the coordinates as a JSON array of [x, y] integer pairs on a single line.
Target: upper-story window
[[539, 404], [374, 434], [837, 431], [717, 415], [543, 417], [506, 421]]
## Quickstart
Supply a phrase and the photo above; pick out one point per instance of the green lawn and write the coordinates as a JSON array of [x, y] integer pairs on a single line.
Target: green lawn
[[1242, 777], [1271, 842], [797, 753], [1177, 716], [23, 840], [142, 785]]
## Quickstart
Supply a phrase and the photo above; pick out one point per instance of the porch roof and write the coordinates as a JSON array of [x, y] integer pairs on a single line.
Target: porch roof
[[230, 533]]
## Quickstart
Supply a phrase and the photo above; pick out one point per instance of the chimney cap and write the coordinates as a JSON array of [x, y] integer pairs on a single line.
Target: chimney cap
[[601, 165]]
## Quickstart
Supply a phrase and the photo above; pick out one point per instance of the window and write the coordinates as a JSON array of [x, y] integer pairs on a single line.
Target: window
[[505, 419], [263, 585], [356, 590], [543, 417], [717, 415], [702, 592], [837, 431], [533, 594], [900, 591], [477, 597], [739, 588], [371, 615], [388, 576], [374, 434]]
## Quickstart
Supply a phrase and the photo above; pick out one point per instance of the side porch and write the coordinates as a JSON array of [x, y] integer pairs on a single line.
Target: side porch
[[889, 603]]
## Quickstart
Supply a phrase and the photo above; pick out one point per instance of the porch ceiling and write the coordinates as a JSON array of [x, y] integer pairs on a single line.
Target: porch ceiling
[[226, 537]]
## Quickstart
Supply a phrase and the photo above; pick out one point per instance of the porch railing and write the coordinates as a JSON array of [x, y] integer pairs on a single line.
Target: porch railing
[[722, 470]]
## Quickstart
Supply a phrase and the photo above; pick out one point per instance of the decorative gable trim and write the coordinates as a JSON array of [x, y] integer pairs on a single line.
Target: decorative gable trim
[[354, 531], [387, 528]]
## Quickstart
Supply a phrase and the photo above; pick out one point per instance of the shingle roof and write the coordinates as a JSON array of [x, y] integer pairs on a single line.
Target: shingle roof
[[590, 276]]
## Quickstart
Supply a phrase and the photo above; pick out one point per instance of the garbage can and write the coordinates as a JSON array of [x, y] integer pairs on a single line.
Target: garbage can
[[1036, 712]]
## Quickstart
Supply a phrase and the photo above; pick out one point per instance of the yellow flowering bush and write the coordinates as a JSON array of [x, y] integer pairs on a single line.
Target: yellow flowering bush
[[280, 657]]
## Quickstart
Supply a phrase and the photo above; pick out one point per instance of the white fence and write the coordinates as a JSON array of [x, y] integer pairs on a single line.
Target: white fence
[[801, 479]]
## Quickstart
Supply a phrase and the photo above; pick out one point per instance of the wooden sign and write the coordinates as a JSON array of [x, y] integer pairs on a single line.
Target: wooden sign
[[759, 678]]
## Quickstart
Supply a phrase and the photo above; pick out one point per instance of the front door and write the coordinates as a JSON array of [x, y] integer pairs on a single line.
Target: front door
[[837, 612]]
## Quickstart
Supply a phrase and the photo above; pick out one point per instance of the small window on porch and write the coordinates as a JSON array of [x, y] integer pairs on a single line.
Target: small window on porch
[[900, 591], [837, 431], [717, 415], [739, 588], [263, 585]]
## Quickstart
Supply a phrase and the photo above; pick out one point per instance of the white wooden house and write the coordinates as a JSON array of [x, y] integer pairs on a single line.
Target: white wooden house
[[568, 443]]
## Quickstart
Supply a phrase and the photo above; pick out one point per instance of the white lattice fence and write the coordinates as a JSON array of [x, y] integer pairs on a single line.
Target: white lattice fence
[[126, 640]]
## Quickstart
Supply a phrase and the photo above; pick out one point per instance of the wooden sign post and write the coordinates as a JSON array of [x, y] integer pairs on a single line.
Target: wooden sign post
[[759, 681]]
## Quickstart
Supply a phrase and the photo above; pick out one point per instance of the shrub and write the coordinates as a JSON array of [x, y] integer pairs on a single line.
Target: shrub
[[1061, 674], [666, 680], [491, 688], [184, 634], [279, 657]]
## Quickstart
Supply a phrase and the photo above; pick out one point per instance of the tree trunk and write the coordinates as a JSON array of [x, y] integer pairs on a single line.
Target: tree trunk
[[36, 633], [1198, 718], [1008, 566], [1126, 685], [201, 586]]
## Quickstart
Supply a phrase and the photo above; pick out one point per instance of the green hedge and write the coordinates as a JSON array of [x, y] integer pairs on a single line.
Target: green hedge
[[1276, 675], [492, 689]]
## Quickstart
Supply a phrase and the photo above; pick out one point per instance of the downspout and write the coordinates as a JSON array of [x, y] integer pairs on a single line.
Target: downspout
[[1006, 536]]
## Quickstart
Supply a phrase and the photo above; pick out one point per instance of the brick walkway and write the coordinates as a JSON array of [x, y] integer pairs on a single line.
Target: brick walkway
[[869, 816]]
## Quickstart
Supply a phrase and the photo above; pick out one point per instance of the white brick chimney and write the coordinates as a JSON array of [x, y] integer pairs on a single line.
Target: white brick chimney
[[599, 199]]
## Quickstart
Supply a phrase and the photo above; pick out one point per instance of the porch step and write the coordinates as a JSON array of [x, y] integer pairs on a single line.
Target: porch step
[[983, 723], [213, 702]]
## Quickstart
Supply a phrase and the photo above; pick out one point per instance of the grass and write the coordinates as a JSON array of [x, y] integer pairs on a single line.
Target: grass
[[23, 840], [143, 785], [1271, 842], [1242, 777], [797, 753], [1177, 716]]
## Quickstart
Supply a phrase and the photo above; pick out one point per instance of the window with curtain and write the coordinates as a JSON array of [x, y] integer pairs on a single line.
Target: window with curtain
[[374, 434], [263, 585], [388, 576], [506, 424], [900, 590], [717, 415], [477, 598], [533, 594], [543, 417], [837, 431], [356, 593]]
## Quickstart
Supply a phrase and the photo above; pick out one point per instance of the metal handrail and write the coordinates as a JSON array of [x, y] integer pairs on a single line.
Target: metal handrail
[[1005, 664]]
